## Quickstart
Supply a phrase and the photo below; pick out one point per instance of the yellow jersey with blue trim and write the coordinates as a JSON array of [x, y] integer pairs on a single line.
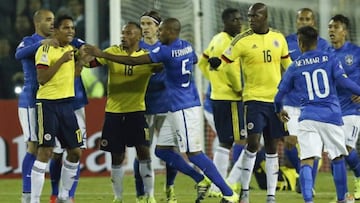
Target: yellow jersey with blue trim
[[61, 85], [225, 80], [126, 84], [262, 58]]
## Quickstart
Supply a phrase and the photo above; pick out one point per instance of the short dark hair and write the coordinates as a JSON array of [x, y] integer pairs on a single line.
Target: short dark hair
[[153, 14], [342, 19], [308, 35], [61, 18], [135, 24], [227, 12]]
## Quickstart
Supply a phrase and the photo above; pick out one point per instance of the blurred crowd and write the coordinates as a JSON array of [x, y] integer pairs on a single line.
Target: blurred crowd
[[16, 25]]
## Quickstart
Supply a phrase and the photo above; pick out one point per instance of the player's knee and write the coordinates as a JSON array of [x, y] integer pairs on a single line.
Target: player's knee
[[74, 155], [32, 147]]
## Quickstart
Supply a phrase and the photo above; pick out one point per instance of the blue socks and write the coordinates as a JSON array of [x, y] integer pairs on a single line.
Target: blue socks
[[306, 182], [55, 173], [209, 169], [236, 151], [353, 161], [293, 157], [171, 173], [340, 178], [139, 185], [175, 160], [27, 165]]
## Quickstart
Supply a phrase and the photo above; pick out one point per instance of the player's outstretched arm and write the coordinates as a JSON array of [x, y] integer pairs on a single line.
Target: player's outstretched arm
[[128, 60]]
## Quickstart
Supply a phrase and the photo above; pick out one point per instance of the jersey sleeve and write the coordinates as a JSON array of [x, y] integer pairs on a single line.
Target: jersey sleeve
[[158, 54], [285, 57], [42, 58], [27, 48]]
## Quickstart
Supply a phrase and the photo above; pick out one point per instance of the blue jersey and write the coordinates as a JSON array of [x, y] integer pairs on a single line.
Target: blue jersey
[[314, 76], [25, 52], [156, 99], [207, 100], [349, 55], [292, 99], [178, 58]]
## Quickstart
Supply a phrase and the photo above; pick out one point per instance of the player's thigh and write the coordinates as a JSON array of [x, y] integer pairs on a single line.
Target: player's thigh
[[27, 118], [293, 123], [333, 138], [70, 135], [166, 135], [309, 140], [186, 124], [47, 123], [229, 122], [351, 129], [113, 136]]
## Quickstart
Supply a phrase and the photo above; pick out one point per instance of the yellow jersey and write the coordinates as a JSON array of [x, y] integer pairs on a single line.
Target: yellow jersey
[[126, 84], [61, 85], [225, 81], [262, 57]]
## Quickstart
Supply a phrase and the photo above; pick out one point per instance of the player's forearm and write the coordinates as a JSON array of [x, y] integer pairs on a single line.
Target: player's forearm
[[127, 60]]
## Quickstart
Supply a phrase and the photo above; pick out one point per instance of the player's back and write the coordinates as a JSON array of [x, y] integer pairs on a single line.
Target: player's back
[[178, 59], [314, 74]]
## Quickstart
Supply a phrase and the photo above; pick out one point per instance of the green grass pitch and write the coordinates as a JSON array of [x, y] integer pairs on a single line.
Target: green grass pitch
[[98, 189]]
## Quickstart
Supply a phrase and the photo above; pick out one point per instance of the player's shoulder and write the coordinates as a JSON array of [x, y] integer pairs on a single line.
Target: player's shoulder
[[242, 35]]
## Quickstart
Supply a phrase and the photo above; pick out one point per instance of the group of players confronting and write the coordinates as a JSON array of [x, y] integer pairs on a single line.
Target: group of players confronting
[[259, 80]]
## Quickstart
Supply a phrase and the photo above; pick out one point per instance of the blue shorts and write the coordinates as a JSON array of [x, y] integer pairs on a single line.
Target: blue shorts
[[57, 118], [261, 118], [229, 120], [124, 129]]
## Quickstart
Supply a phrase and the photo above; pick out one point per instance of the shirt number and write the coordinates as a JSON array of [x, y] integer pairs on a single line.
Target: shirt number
[[312, 83], [185, 72]]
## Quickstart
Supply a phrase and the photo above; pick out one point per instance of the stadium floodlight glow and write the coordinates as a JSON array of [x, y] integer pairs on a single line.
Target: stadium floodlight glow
[[17, 89]]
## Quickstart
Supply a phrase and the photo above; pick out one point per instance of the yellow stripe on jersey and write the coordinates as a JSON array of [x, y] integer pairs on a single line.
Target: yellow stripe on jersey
[[261, 58], [235, 121], [126, 84], [40, 121]]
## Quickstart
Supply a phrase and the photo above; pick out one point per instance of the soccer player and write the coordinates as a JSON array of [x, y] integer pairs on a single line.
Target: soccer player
[[349, 55], [56, 71], [56, 161], [178, 58], [125, 123], [156, 102], [314, 75], [226, 98], [263, 51], [25, 52], [304, 17]]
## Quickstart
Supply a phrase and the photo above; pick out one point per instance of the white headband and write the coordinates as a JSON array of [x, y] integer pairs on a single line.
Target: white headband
[[151, 18]]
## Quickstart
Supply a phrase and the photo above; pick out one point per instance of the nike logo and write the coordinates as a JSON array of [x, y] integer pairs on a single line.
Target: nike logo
[[292, 51]]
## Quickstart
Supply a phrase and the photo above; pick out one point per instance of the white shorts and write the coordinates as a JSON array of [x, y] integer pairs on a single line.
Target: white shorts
[[80, 117], [166, 135], [27, 118], [210, 120], [186, 124], [351, 129], [313, 135], [293, 123]]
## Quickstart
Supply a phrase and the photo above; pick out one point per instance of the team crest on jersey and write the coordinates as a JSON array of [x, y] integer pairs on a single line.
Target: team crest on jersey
[[47, 137], [228, 51], [250, 126], [104, 143], [44, 58], [276, 43], [349, 60], [156, 50]]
